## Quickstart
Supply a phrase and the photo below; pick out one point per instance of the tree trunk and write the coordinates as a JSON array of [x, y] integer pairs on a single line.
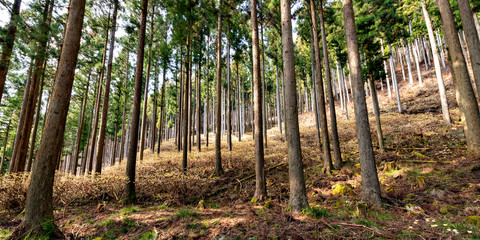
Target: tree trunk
[[8, 46], [199, 102], [327, 158], [73, 169], [468, 102], [35, 126], [28, 108], [229, 106], [122, 139], [98, 105], [298, 198], [5, 146], [145, 96], [162, 107], [133, 141], [472, 38], [153, 131], [39, 203], [376, 111], [331, 101], [218, 152], [370, 185], [438, 69], [186, 107], [260, 183]]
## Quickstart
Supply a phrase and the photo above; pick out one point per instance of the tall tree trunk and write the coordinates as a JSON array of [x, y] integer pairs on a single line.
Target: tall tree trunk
[[370, 185], [264, 102], [153, 131], [199, 114], [218, 152], [327, 158], [277, 91], [312, 56], [35, 126], [473, 41], [98, 105], [122, 140], [78, 141], [238, 93], [438, 69], [145, 96], [5, 145], [162, 107], [260, 183], [103, 122], [229, 99], [133, 141], [376, 110], [8, 45], [186, 106], [207, 82], [298, 198], [331, 101], [468, 102], [28, 108], [39, 203]]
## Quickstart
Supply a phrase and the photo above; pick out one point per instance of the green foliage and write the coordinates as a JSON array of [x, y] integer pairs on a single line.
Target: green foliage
[[316, 212], [128, 210]]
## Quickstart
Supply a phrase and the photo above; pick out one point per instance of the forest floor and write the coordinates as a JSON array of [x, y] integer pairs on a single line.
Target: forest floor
[[430, 186]]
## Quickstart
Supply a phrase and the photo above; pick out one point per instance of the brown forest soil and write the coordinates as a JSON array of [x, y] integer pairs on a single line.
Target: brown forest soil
[[429, 182]]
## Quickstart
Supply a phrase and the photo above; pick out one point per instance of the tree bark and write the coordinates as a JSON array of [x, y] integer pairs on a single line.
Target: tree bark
[[8, 45], [331, 101], [28, 108], [473, 42], [370, 184], [327, 158], [438, 69], [80, 130], [125, 86], [39, 203], [260, 183], [5, 145], [145, 96], [218, 152], [298, 198], [133, 141], [468, 102]]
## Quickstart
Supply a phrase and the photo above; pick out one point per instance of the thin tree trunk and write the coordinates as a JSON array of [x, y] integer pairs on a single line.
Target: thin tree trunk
[[327, 158], [5, 145], [186, 107], [125, 86], [35, 126], [199, 105], [145, 96], [438, 70], [376, 110], [74, 165], [370, 185], [331, 101]]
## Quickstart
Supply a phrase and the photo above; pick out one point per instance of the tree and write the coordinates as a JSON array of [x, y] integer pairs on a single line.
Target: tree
[[103, 123], [260, 184], [74, 163], [7, 48], [327, 158], [473, 41], [218, 137], [133, 141], [436, 62], [298, 198], [370, 184], [39, 204], [463, 87]]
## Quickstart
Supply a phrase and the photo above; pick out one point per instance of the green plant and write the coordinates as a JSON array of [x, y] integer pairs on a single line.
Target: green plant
[[185, 212], [316, 212]]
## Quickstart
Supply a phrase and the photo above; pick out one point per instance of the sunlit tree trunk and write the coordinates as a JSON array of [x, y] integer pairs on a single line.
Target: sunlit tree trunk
[[130, 194], [218, 152], [370, 184]]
